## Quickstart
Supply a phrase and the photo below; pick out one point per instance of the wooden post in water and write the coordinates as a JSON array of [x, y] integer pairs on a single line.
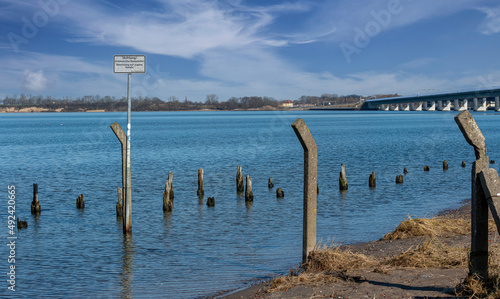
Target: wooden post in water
[[342, 179], [248, 190], [478, 263], [80, 202], [201, 189], [270, 183], [122, 137], [445, 165], [280, 193], [240, 187], [310, 186], [168, 199], [399, 179], [35, 204], [372, 180], [170, 181]]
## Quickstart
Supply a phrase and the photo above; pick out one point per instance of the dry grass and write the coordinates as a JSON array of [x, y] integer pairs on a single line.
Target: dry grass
[[474, 287], [434, 227], [431, 254]]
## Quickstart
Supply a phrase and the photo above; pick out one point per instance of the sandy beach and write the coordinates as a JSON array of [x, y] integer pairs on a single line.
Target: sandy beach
[[381, 278]]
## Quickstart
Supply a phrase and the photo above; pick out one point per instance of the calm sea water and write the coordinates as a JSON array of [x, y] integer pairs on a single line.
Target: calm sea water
[[196, 250]]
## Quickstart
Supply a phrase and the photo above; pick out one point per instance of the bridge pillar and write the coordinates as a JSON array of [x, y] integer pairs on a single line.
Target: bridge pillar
[[447, 107], [405, 107], [456, 105], [440, 106], [384, 107], [482, 105], [416, 106], [474, 104], [464, 106], [497, 104], [431, 108]]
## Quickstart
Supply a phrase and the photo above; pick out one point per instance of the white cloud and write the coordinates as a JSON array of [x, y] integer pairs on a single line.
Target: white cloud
[[491, 23], [35, 81]]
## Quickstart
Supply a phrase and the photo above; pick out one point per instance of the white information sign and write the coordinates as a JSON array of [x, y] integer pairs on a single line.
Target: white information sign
[[129, 64]]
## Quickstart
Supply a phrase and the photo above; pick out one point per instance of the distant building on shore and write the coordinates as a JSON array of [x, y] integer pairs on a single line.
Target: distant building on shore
[[286, 104]]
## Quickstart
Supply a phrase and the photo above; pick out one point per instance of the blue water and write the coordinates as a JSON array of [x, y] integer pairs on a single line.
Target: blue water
[[196, 250]]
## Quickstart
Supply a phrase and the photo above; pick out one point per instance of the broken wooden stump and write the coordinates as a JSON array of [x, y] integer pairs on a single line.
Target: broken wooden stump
[[170, 180], [405, 171], [21, 224], [492, 161], [426, 168], [80, 202], [248, 190], [445, 165], [342, 179], [168, 203], [201, 189], [270, 184], [280, 193], [372, 180], [119, 204], [463, 164], [240, 187], [211, 202], [35, 204], [399, 179], [478, 258]]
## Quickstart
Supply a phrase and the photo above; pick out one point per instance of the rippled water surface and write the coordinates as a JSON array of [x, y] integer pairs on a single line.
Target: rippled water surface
[[196, 250]]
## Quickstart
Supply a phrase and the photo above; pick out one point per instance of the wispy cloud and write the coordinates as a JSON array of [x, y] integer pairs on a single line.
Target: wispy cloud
[[491, 23]]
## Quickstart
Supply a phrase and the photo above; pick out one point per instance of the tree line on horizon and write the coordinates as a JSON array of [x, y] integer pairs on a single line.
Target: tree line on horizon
[[110, 103]]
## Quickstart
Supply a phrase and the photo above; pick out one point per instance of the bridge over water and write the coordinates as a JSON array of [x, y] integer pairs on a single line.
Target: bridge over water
[[477, 100]]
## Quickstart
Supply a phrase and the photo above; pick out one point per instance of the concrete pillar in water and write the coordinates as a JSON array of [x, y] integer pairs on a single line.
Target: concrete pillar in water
[[372, 180], [440, 105], [475, 104], [497, 104], [119, 204], [35, 204], [80, 202], [456, 105], [240, 187], [122, 137], [478, 263], [248, 190], [342, 179], [310, 186], [201, 189]]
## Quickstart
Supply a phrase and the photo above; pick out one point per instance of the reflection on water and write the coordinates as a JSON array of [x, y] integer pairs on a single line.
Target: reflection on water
[[127, 274]]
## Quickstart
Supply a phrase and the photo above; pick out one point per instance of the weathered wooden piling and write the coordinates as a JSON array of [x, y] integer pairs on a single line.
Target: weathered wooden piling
[[270, 184], [248, 190], [119, 204], [310, 186], [405, 171], [342, 178], [35, 204], [399, 179], [21, 224], [280, 193], [426, 168], [211, 202], [80, 202], [372, 180], [445, 165], [170, 180], [492, 161], [463, 164], [201, 189], [168, 203], [240, 187], [478, 258]]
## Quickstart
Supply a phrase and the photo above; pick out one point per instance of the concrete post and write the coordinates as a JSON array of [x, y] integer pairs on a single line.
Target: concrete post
[[478, 263], [310, 186], [122, 137], [491, 186], [456, 105], [440, 106], [497, 104], [475, 104]]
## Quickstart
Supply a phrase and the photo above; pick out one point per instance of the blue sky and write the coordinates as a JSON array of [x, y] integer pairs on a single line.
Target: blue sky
[[281, 49]]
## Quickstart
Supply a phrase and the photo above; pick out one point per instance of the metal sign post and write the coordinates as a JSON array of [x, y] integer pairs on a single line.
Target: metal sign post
[[128, 64]]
